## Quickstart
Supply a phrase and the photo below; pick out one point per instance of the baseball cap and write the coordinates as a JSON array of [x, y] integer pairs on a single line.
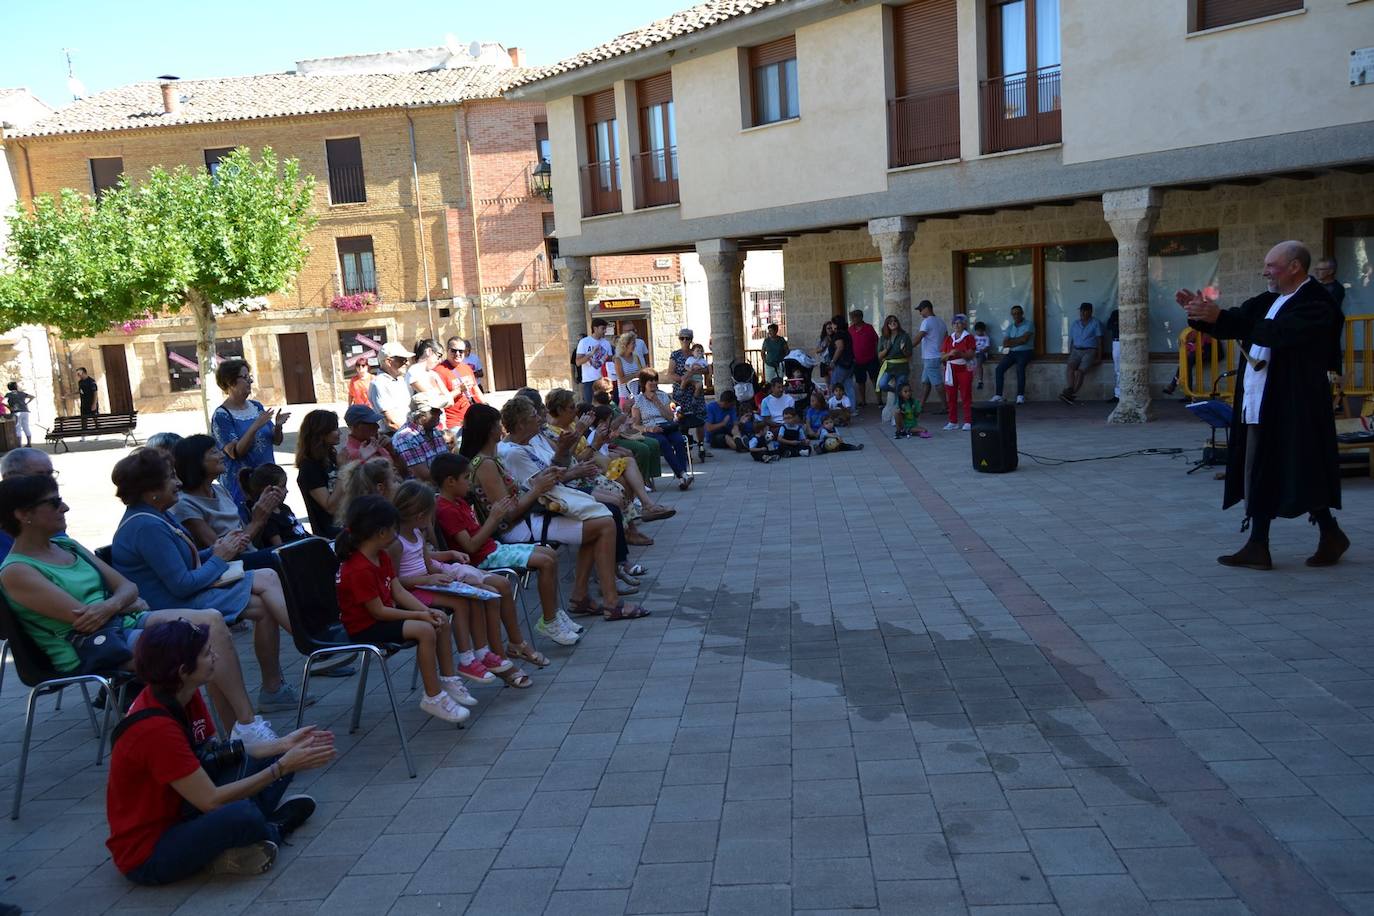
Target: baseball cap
[[361, 413], [428, 400], [392, 348]]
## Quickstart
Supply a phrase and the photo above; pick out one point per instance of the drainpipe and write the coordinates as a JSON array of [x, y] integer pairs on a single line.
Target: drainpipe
[[420, 221], [479, 323]]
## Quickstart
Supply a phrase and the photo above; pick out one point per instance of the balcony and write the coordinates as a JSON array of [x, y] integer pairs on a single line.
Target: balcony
[[601, 187], [655, 174], [1019, 111], [346, 185], [923, 127]]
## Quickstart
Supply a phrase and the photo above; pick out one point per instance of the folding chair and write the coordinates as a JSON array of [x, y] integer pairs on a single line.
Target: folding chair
[[37, 673], [309, 570]]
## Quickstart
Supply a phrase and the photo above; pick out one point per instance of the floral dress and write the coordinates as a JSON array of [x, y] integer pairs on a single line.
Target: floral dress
[[600, 483], [691, 405], [227, 426]]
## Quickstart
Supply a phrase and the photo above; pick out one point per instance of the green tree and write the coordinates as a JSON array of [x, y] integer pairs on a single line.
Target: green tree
[[179, 240]]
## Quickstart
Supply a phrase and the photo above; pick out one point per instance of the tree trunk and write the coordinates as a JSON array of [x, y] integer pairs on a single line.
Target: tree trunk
[[205, 348]]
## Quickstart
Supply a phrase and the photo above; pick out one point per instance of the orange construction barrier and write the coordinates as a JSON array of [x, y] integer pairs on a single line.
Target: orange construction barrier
[[1200, 376], [1357, 365]]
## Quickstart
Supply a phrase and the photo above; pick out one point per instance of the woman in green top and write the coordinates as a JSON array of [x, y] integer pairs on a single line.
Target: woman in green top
[[894, 349], [57, 588]]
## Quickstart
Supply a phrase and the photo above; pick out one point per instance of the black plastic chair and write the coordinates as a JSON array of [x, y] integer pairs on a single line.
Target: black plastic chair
[[38, 674], [309, 570]]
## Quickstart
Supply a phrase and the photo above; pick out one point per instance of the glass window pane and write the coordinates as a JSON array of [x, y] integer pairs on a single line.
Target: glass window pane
[[350, 267], [994, 281], [1177, 262], [1014, 38], [1353, 247], [1047, 33], [766, 94], [862, 288], [1075, 274], [791, 106], [369, 271], [672, 125]]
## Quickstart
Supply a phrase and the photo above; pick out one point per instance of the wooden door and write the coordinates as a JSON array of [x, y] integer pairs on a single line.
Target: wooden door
[[296, 368], [117, 379], [507, 357]]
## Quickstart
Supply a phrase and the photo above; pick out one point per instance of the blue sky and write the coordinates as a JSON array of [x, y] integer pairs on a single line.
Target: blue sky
[[137, 40]]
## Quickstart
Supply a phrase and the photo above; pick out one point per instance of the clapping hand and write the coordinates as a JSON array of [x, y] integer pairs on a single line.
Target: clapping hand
[[501, 508], [544, 481], [307, 749], [1198, 305], [282, 417], [583, 469], [230, 545]]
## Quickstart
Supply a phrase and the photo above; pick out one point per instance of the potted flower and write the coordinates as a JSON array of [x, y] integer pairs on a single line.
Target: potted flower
[[357, 302]]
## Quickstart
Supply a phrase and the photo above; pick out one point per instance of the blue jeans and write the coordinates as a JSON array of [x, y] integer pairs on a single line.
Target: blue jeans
[[191, 845], [893, 378], [1019, 359], [674, 451], [587, 391], [844, 375]]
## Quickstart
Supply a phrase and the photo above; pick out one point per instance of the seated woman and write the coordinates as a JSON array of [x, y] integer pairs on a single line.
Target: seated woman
[[60, 592], [163, 560], [647, 453], [653, 413], [175, 806], [317, 468], [205, 508], [527, 522]]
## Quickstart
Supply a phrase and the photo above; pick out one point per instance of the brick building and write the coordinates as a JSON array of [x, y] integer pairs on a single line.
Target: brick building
[[426, 195]]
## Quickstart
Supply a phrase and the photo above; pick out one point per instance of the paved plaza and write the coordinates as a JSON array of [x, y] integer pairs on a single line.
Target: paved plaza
[[872, 681]]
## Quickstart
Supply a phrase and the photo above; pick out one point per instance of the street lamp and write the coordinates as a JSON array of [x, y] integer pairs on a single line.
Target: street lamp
[[541, 179]]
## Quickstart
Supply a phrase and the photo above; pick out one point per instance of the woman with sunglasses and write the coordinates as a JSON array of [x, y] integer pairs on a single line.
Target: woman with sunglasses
[[244, 430], [57, 588]]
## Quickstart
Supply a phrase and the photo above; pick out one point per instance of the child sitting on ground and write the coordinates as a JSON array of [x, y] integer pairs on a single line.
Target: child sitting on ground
[[763, 444], [375, 607], [909, 414], [841, 407], [793, 437], [816, 412], [982, 348], [827, 440]]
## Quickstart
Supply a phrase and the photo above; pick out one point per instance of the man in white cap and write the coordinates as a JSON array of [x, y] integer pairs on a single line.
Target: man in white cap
[[420, 440], [389, 393]]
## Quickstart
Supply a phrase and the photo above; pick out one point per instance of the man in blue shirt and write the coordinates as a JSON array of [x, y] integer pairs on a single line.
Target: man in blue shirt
[[721, 415], [1018, 345], [1085, 350]]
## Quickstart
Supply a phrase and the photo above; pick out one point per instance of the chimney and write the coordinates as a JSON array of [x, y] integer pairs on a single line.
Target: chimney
[[171, 103], [517, 56]]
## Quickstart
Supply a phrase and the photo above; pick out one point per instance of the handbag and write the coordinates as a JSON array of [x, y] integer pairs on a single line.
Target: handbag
[[574, 504], [107, 649], [232, 574]]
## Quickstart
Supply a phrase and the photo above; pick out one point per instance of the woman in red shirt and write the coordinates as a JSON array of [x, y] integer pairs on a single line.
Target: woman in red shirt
[[957, 354], [169, 817]]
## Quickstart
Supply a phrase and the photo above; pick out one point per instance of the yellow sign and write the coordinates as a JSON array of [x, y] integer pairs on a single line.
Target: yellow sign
[[609, 305]]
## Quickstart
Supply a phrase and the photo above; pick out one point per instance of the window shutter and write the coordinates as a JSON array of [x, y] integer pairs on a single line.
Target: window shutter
[[344, 153], [926, 40], [600, 106], [1214, 13], [774, 52], [656, 90]]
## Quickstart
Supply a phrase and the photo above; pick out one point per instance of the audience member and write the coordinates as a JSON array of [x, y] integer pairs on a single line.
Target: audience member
[[894, 349], [772, 407], [627, 365], [1018, 346], [244, 429], [203, 507], [930, 336], [1085, 351], [816, 412], [828, 439], [474, 362], [421, 376], [825, 348], [651, 412], [908, 415], [957, 354], [152, 549], [688, 377], [774, 349], [842, 361], [982, 349], [164, 442], [840, 407], [175, 806], [359, 386], [373, 477], [281, 526], [793, 437], [648, 454], [421, 439], [22, 462], [722, 418], [864, 339], [317, 463], [593, 351], [389, 394], [458, 378]]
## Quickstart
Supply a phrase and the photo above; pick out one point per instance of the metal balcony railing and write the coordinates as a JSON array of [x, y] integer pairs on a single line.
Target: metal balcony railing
[[346, 185], [655, 174], [601, 187], [1021, 111], [923, 127]]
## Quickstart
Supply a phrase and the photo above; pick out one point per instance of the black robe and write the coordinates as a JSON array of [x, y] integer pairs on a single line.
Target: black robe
[[1296, 470]]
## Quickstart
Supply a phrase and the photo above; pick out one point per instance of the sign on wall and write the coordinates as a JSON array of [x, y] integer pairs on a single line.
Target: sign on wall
[[1362, 67]]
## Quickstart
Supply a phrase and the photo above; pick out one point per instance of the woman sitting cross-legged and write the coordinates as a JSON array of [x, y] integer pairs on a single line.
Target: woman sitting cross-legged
[[171, 570], [63, 595], [530, 521], [176, 805], [653, 412]]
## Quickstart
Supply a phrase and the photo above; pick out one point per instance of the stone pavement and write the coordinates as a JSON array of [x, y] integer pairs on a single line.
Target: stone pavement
[[873, 681]]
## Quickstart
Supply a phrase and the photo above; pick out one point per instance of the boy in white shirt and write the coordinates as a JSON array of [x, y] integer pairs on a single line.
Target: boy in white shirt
[[841, 407], [771, 410]]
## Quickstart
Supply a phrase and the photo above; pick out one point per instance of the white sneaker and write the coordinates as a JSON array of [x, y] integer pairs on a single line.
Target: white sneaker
[[966, 427], [453, 686], [1020, 399], [996, 399], [569, 623], [557, 631], [259, 731], [951, 426], [443, 707]]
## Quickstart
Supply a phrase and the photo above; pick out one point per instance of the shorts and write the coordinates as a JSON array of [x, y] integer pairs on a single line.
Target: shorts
[[933, 371], [864, 372], [508, 556], [381, 632], [561, 529], [1083, 359], [717, 440]]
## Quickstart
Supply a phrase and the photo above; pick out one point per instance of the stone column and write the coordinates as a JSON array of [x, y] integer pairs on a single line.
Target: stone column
[[1131, 214], [575, 273], [892, 237], [721, 260]]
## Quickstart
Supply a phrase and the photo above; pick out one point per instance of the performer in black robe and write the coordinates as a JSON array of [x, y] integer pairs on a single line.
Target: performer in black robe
[[1282, 459]]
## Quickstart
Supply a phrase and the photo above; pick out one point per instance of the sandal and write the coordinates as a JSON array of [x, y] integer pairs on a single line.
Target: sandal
[[684, 483], [623, 611], [528, 653], [634, 570], [657, 513], [583, 607], [627, 588], [516, 678], [638, 540]]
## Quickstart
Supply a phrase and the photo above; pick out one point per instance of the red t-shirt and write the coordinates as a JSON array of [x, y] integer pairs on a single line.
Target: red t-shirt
[[360, 580], [457, 377], [865, 341], [454, 517], [139, 799]]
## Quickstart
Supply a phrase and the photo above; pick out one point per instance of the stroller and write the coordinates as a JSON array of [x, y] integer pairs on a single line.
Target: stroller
[[746, 381], [796, 380]]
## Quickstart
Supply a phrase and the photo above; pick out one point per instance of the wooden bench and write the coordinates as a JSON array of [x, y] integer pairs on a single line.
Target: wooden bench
[[100, 424], [1353, 425]]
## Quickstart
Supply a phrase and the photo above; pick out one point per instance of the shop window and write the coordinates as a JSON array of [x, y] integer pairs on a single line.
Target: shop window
[[183, 368], [860, 286], [1075, 274], [361, 343], [1178, 262]]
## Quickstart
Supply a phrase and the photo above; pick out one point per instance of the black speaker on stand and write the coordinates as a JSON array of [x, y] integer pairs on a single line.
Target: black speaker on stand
[[994, 437]]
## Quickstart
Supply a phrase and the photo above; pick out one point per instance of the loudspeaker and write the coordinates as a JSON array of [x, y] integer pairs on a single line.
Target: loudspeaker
[[994, 437]]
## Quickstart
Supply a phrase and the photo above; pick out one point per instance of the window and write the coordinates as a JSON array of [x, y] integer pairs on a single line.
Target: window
[[773, 81], [601, 185], [541, 141], [356, 264], [213, 157], [1075, 274], [1211, 14], [105, 174], [765, 308], [923, 121], [656, 162], [860, 286], [1351, 243], [183, 367], [1178, 262], [361, 343], [1021, 97], [346, 185], [994, 281], [550, 246]]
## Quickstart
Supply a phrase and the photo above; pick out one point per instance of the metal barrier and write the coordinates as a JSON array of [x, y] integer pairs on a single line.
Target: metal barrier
[[1201, 376]]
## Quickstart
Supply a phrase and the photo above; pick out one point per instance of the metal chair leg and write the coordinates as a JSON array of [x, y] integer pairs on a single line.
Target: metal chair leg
[[90, 710], [396, 717], [58, 707], [110, 702], [362, 687], [4, 652], [24, 756], [305, 684], [415, 674]]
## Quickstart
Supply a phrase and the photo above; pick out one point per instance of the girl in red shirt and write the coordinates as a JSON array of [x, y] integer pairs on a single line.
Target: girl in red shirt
[[375, 607], [957, 353]]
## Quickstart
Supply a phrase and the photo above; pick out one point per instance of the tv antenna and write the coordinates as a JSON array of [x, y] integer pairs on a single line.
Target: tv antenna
[[74, 85]]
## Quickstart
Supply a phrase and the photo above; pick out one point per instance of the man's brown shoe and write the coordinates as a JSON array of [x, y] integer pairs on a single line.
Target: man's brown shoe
[[1329, 548], [1251, 556]]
